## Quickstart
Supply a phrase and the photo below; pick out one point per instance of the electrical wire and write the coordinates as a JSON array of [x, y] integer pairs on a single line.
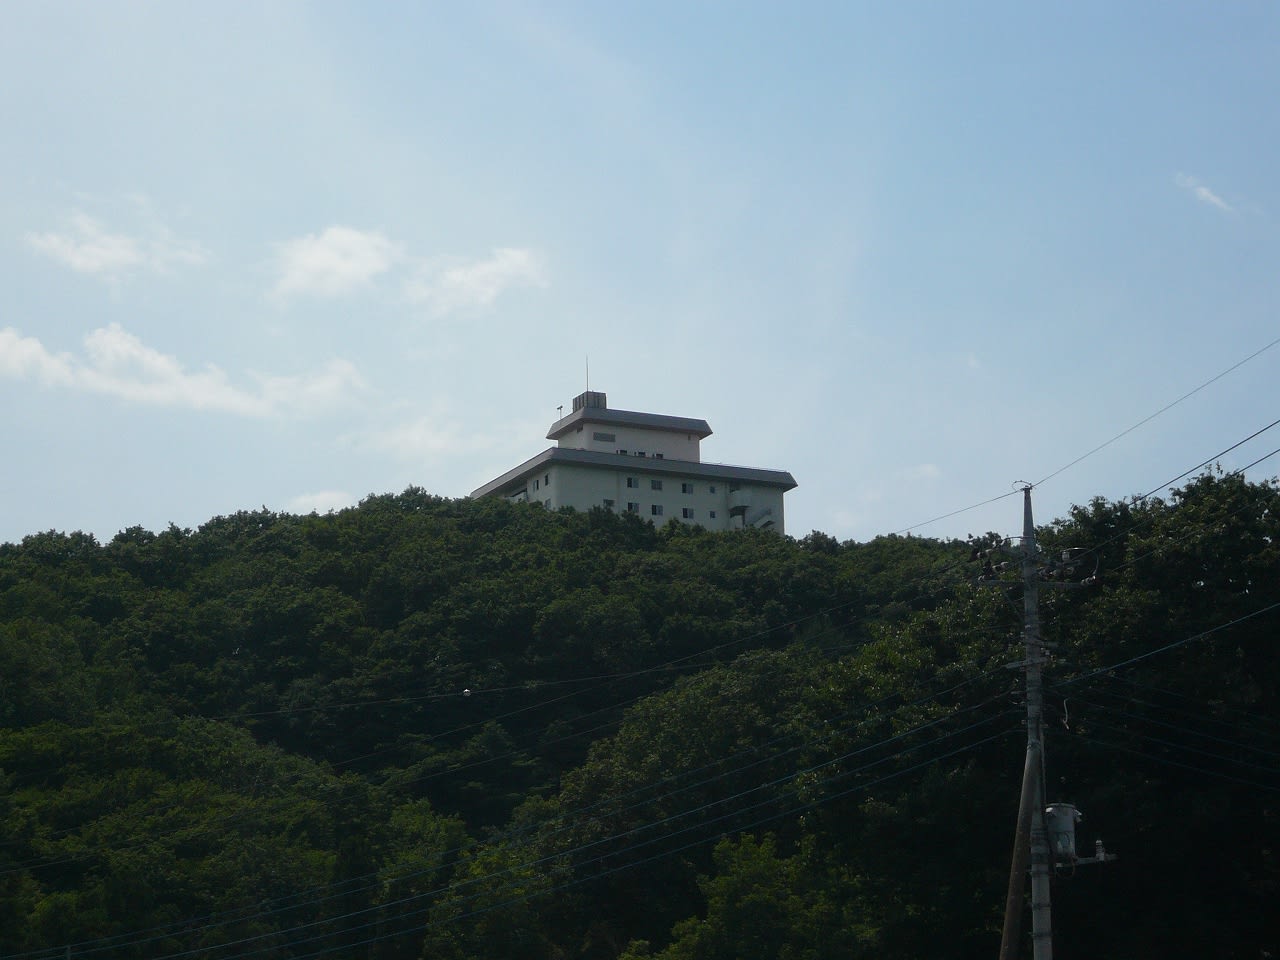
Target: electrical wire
[[1170, 646], [1185, 715], [1224, 625], [238, 916], [1136, 718], [560, 854], [1099, 447], [1150, 518], [758, 635], [1266, 456], [702, 653], [1205, 463], [1201, 771], [529, 864], [951, 566], [1166, 407], [1252, 716], [954, 513], [794, 811]]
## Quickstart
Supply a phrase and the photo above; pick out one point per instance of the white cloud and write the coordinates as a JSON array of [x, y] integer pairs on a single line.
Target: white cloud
[[426, 438], [323, 501], [922, 471], [22, 357], [1202, 193], [340, 260], [87, 246], [476, 284], [118, 364], [312, 391], [332, 263]]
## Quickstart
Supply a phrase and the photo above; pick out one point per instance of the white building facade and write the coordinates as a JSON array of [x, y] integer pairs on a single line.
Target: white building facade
[[643, 463]]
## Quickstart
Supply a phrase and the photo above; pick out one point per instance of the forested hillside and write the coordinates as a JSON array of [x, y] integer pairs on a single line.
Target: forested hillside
[[472, 729]]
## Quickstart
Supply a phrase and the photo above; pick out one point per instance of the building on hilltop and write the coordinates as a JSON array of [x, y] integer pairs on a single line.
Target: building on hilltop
[[643, 463]]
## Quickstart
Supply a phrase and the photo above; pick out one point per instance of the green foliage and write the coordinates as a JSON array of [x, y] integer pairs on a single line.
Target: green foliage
[[424, 727], [761, 906]]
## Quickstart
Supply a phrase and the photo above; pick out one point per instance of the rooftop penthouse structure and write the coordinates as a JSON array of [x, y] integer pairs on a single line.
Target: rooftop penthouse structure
[[648, 464]]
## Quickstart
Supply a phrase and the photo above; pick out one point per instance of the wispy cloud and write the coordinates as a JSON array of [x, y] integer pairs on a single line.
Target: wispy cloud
[[87, 246], [922, 471], [1201, 192], [426, 438], [116, 363], [323, 501], [333, 262], [478, 283], [341, 260]]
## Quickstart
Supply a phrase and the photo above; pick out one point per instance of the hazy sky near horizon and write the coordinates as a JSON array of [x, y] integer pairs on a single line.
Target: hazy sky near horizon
[[290, 254]]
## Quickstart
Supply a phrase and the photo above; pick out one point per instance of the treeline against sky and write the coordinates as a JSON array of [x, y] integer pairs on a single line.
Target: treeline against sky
[[461, 729]]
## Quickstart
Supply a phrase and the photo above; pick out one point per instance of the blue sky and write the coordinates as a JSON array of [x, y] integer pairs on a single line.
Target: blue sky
[[292, 254]]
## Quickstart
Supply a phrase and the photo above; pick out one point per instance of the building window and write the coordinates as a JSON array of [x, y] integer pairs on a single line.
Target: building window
[[639, 453], [656, 510], [712, 488], [546, 478], [658, 456], [603, 437], [686, 488], [633, 508], [535, 484], [632, 483], [655, 484], [687, 513], [608, 504], [734, 487], [547, 504], [713, 514], [622, 452]]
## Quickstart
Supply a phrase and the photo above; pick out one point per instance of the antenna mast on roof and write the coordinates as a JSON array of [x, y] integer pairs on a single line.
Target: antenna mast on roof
[[588, 359]]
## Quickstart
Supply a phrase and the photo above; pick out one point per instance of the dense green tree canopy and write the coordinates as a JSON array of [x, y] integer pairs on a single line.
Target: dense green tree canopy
[[426, 727]]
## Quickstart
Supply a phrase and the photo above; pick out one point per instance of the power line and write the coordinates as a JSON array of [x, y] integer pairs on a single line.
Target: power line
[[1205, 463], [954, 513], [1163, 409], [1182, 766], [1151, 517], [283, 904], [169, 723], [1198, 716], [1252, 716], [730, 643], [562, 853], [608, 871], [1268, 456], [1099, 447], [1176, 728], [655, 857], [1170, 646], [801, 620]]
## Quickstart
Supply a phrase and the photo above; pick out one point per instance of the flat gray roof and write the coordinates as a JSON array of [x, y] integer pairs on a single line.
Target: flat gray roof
[[616, 461], [628, 418]]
